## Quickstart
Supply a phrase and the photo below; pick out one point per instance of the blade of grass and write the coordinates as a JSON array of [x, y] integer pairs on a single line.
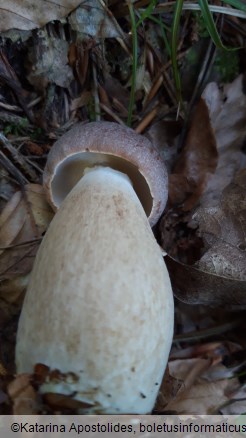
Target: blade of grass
[[147, 12], [236, 3], [174, 44], [163, 28], [134, 61], [210, 24], [241, 13]]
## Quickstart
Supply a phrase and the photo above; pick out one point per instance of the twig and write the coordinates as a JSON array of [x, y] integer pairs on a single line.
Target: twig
[[9, 166], [96, 95], [207, 333], [35, 165], [14, 118], [9, 77], [21, 244], [111, 113], [8, 107], [146, 121], [19, 159], [121, 39]]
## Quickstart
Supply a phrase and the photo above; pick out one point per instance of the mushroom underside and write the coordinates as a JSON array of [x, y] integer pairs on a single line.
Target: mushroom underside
[[73, 167]]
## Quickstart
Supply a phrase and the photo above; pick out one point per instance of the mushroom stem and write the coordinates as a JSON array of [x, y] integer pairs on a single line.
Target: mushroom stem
[[99, 307]]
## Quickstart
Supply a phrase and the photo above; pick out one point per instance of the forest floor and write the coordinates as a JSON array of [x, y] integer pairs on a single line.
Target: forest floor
[[133, 64]]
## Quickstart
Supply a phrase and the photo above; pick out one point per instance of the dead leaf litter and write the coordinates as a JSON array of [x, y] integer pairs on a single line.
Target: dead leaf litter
[[70, 62]]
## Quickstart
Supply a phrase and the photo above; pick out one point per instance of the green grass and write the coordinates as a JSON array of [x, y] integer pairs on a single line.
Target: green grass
[[236, 4], [171, 36], [134, 61], [174, 44]]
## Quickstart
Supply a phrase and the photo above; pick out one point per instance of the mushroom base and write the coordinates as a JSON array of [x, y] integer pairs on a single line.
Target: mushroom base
[[99, 306]]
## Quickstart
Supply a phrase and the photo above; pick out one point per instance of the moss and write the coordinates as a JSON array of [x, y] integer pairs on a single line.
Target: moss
[[227, 64]]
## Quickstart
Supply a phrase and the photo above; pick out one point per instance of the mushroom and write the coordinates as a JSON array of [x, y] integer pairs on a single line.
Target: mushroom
[[99, 306]]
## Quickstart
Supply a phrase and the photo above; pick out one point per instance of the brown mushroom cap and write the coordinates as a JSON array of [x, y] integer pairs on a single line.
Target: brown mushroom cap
[[107, 144]]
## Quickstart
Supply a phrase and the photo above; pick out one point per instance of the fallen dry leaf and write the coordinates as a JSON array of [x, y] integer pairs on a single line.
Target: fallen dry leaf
[[237, 404], [213, 150], [194, 286], [163, 135], [22, 222], [227, 109], [11, 221], [224, 260], [24, 397], [216, 233], [234, 407], [223, 230], [29, 205], [197, 395], [48, 59], [204, 398], [11, 289], [219, 277], [115, 90], [168, 390], [26, 15], [197, 161], [41, 210], [92, 19]]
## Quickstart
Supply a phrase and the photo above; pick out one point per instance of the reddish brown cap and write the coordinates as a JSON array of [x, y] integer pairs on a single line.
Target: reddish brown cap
[[113, 145]]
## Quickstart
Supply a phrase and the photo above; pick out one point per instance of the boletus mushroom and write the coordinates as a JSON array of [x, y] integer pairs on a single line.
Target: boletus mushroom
[[99, 306]]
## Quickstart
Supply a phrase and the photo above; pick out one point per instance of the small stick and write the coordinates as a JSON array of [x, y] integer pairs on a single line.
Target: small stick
[[9, 166], [18, 158], [95, 92], [146, 121], [112, 114]]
